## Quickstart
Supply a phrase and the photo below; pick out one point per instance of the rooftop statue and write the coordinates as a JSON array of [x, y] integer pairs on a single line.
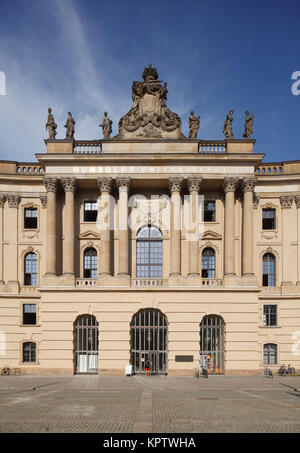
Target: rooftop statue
[[106, 126], [149, 116], [51, 125], [194, 124], [70, 125], [227, 128], [248, 125]]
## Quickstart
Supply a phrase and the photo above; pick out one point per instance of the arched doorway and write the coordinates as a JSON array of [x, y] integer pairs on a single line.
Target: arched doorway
[[212, 334], [149, 339], [86, 339]]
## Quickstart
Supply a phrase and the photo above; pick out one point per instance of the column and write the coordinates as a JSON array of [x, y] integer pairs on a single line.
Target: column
[[286, 202], [297, 200], [193, 186], [123, 184], [11, 239], [51, 187], [175, 184], [104, 185], [2, 201], [229, 186], [69, 185], [248, 184]]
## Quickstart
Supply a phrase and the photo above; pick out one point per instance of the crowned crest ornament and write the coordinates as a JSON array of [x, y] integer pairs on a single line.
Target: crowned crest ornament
[[149, 116]]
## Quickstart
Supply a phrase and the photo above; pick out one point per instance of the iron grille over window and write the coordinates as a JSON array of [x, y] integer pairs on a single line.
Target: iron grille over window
[[90, 264], [29, 352], [30, 275], [270, 315], [90, 211], [149, 253], [86, 341], [268, 219], [29, 314], [208, 263], [212, 343], [270, 354], [30, 218], [268, 270], [209, 211]]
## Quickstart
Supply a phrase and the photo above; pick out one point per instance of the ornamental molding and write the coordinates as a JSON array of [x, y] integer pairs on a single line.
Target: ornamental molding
[[269, 205], [286, 201], [43, 198], [297, 200], [209, 244], [89, 235], [256, 199], [268, 250], [123, 183], [88, 244], [211, 235], [2, 199], [30, 249]]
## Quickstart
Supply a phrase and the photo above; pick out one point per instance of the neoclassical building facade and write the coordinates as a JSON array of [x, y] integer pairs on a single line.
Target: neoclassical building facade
[[151, 245]]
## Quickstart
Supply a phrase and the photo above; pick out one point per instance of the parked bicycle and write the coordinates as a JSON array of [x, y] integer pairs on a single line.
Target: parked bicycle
[[6, 371], [196, 372], [286, 370], [268, 373]]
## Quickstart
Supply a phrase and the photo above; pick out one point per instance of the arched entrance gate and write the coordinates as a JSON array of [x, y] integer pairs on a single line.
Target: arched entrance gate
[[86, 339], [149, 339]]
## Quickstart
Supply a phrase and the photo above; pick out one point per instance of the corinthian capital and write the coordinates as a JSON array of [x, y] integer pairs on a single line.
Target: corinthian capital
[[248, 183], [13, 200], [286, 201], [175, 183], [297, 200], [104, 184], [230, 184], [123, 183], [69, 184], [2, 199], [50, 184], [193, 183]]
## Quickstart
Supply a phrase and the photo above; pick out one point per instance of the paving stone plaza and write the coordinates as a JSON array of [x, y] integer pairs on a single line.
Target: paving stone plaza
[[154, 404]]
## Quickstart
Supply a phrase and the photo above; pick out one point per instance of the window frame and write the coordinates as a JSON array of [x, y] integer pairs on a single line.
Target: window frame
[[29, 362], [23, 312], [86, 211], [264, 316], [92, 262], [31, 273], [206, 202], [208, 269], [268, 354], [274, 219], [150, 265], [268, 274]]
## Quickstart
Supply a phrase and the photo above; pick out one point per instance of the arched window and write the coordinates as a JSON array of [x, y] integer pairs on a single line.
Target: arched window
[[208, 264], [270, 354], [29, 352], [90, 265], [212, 340], [86, 344], [268, 270], [30, 269], [149, 253]]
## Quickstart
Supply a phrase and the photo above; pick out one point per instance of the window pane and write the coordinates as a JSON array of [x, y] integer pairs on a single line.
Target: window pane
[[30, 218]]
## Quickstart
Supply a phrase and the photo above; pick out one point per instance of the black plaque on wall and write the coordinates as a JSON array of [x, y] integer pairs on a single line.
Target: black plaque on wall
[[184, 358]]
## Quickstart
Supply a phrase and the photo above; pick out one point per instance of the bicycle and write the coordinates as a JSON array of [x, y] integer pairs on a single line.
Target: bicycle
[[204, 373], [6, 371], [196, 373]]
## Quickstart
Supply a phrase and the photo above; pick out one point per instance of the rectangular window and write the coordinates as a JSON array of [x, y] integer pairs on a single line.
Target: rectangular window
[[30, 218], [209, 211], [270, 315], [268, 219], [29, 314], [90, 211]]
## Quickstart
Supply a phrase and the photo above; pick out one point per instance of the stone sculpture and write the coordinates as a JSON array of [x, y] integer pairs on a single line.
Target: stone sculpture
[[51, 125], [227, 128], [248, 125], [70, 126], [106, 126], [149, 116], [194, 124]]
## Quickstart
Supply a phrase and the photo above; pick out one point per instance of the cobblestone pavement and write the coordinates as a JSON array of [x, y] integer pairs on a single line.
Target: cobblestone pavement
[[155, 404]]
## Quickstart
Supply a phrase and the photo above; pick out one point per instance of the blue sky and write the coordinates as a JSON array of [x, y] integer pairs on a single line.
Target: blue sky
[[82, 56]]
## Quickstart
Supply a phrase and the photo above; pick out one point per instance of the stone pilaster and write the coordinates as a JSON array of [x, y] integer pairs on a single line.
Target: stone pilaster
[[69, 185], [123, 184], [104, 185], [2, 201], [175, 184], [297, 201], [193, 184], [229, 186], [248, 184], [286, 202], [51, 188]]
